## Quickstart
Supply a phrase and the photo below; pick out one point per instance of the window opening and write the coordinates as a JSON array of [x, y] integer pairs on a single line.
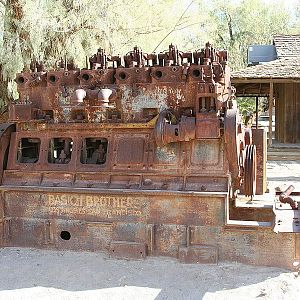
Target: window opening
[[207, 104], [94, 151], [28, 150], [60, 150], [78, 115]]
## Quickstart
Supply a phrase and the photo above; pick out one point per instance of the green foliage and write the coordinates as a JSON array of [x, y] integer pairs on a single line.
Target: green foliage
[[247, 105]]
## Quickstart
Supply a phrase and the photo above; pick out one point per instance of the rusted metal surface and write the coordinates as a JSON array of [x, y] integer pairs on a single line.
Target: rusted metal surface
[[127, 250], [136, 155], [198, 254], [5, 135]]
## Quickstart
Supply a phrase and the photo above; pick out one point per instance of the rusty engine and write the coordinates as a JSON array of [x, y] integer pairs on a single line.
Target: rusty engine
[[137, 155]]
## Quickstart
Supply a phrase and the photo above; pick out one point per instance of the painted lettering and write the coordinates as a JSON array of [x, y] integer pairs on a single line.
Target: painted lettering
[[108, 206]]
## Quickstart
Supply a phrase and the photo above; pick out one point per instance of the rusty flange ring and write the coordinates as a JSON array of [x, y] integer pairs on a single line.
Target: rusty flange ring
[[160, 126], [159, 130], [250, 170]]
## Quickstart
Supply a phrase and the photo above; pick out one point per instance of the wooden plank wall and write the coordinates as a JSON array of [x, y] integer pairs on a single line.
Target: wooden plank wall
[[287, 112]]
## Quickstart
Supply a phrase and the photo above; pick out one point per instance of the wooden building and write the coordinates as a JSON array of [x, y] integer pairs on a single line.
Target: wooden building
[[280, 81]]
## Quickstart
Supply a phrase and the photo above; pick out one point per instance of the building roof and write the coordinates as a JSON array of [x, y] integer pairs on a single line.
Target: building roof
[[287, 46], [279, 68], [286, 66]]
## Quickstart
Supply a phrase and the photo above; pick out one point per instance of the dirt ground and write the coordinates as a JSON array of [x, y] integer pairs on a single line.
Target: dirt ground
[[39, 275], [283, 173]]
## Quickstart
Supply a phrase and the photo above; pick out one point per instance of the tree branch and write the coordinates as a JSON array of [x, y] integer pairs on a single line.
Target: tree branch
[[148, 32], [229, 24], [176, 24], [220, 37], [187, 26]]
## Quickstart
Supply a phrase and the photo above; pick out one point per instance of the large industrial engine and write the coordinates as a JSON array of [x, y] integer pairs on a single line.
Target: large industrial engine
[[139, 155]]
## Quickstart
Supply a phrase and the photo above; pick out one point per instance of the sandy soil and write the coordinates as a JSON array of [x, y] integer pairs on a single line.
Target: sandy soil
[[39, 274], [283, 173]]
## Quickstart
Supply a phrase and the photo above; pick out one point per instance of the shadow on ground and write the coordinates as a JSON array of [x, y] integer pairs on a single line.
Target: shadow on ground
[[41, 274]]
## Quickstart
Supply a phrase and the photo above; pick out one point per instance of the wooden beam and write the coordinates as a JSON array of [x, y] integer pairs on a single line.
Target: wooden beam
[[249, 80], [271, 96], [235, 80], [251, 95]]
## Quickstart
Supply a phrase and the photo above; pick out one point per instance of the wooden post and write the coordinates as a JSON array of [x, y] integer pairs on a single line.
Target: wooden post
[[256, 112], [271, 96]]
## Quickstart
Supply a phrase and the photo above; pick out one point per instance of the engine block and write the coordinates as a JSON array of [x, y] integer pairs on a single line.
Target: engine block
[[137, 155]]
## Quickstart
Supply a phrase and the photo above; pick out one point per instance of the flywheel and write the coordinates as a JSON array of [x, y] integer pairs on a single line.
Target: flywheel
[[250, 170]]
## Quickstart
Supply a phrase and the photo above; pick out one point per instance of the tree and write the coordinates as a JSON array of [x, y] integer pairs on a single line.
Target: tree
[[238, 24], [15, 39]]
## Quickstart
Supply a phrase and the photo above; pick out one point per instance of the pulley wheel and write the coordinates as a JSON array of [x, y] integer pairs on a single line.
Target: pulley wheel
[[250, 170]]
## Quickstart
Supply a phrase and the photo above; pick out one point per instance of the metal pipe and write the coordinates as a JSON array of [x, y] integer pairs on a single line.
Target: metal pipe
[[284, 197], [287, 192]]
